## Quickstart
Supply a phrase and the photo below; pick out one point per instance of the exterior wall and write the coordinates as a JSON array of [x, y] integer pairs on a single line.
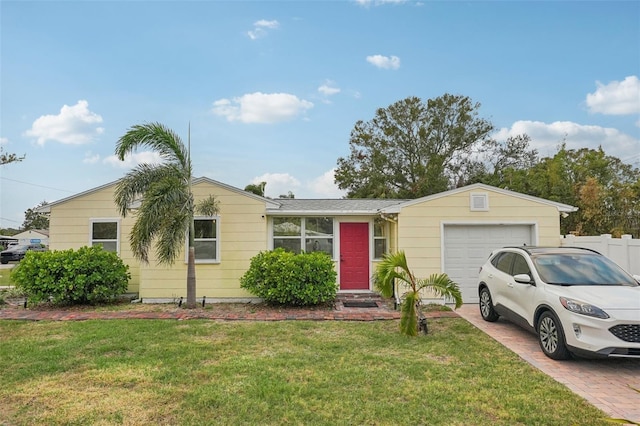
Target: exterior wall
[[32, 237], [69, 226], [420, 225], [242, 234]]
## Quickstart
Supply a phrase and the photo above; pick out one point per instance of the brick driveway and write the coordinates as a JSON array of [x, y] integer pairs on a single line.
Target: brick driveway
[[606, 383]]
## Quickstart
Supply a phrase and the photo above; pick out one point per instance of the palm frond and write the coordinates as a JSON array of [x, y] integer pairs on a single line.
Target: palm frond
[[392, 267], [442, 286], [138, 181], [208, 206], [157, 137]]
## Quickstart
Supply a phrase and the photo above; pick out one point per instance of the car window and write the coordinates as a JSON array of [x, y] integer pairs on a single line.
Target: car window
[[520, 266], [580, 269], [503, 261]]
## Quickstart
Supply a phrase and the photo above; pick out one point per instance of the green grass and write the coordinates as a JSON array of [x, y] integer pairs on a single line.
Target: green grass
[[5, 277], [271, 373]]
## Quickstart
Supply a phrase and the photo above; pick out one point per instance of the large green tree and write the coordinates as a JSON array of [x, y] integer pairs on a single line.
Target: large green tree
[[605, 189], [35, 220], [166, 210], [413, 148]]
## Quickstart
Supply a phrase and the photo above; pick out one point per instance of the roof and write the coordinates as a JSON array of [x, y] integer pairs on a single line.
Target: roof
[[562, 208], [343, 206], [47, 208]]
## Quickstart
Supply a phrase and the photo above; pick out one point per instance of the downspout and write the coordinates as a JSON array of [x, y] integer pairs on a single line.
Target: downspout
[[391, 219]]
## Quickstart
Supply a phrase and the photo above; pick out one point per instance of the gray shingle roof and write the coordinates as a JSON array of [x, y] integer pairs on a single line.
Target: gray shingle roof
[[338, 206]]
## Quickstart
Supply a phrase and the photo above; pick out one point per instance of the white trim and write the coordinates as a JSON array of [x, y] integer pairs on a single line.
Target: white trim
[[565, 208], [117, 220], [216, 239], [481, 199]]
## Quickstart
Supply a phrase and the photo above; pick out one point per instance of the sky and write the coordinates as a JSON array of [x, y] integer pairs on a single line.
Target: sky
[[272, 89]]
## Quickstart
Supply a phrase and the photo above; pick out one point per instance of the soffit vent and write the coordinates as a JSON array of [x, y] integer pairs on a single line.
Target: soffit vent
[[479, 202]]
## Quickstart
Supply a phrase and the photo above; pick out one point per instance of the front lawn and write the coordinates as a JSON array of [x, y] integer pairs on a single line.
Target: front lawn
[[140, 372]]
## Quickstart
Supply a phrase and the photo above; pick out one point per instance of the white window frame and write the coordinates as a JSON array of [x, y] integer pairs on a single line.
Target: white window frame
[[216, 239], [302, 238], [385, 238], [92, 240]]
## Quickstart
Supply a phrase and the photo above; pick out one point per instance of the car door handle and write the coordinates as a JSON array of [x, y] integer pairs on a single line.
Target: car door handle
[[510, 284]]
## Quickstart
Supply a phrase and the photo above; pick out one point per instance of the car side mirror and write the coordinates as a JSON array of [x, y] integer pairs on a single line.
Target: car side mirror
[[523, 279]]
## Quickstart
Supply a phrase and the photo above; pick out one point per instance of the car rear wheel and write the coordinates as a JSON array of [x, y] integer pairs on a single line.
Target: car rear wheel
[[486, 306], [551, 337]]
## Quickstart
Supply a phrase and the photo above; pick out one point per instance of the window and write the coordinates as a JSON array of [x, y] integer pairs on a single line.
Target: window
[[503, 262], [380, 235], [298, 233], [105, 233], [520, 266], [206, 239]]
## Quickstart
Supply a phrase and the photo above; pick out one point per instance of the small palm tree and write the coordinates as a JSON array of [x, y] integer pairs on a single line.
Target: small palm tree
[[394, 267], [167, 206]]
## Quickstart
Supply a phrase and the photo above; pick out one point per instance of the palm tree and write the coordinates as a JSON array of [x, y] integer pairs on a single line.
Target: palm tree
[[167, 206], [394, 267]]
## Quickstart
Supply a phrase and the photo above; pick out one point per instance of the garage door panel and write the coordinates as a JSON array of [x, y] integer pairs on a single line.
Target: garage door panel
[[467, 247]]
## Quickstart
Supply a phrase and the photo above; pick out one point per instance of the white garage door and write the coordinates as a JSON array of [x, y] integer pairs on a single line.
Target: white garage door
[[467, 247]]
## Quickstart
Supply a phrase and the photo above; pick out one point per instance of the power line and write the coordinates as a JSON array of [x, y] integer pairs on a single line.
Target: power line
[[34, 184]]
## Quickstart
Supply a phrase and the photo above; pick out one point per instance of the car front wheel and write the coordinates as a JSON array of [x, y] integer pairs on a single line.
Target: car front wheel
[[486, 306], [551, 337]]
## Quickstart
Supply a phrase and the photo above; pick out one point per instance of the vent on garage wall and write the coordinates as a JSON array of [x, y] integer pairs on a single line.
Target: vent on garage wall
[[479, 202]]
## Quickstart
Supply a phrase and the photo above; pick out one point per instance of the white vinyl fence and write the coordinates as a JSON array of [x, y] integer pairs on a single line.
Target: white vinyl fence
[[624, 251]]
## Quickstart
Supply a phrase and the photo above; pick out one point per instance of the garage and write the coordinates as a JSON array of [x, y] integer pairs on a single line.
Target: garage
[[467, 246]]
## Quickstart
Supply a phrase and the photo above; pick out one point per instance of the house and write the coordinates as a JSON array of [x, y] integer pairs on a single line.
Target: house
[[450, 232], [33, 236]]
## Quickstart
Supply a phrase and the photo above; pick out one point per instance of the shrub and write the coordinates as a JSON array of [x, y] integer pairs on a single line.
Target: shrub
[[89, 275], [285, 278]]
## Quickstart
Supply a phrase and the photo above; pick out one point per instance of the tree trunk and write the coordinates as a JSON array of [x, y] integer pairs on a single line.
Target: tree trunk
[[191, 279]]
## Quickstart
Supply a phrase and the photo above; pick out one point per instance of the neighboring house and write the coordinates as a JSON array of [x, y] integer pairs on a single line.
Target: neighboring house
[[33, 236], [450, 232]]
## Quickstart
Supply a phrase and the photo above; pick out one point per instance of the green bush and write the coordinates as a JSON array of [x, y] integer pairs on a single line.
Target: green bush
[[88, 275], [285, 278]]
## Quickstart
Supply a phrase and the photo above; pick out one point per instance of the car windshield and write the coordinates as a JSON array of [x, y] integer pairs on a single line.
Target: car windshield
[[580, 269]]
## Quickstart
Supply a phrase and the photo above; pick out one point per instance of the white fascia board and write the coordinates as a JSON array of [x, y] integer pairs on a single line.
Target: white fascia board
[[322, 212]]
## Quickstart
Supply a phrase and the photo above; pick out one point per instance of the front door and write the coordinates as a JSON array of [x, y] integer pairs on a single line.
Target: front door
[[354, 256]]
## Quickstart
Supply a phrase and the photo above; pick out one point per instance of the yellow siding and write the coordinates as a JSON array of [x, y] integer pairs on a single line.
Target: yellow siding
[[420, 225], [243, 234], [69, 226]]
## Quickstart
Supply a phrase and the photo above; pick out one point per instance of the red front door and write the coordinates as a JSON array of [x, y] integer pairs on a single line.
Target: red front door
[[354, 256]]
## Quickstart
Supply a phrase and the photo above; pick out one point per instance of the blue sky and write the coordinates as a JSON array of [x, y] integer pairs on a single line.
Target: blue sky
[[272, 89]]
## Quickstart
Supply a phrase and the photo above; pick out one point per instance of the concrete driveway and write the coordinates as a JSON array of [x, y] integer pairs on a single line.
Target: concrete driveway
[[612, 385]]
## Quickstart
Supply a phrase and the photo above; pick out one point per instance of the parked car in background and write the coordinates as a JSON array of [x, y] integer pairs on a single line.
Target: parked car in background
[[576, 300], [16, 253]]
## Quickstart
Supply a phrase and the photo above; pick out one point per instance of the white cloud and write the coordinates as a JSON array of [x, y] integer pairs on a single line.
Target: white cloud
[[329, 88], [91, 159], [367, 3], [75, 125], [546, 137], [325, 187], [4, 141], [132, 160], [384, 62], [261, 107], [261, 27], [277, 183], [616, 98], [281, 183]]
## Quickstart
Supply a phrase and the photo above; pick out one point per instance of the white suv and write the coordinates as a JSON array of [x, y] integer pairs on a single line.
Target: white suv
[[576, 300]]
